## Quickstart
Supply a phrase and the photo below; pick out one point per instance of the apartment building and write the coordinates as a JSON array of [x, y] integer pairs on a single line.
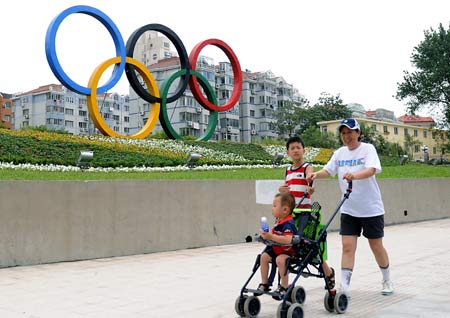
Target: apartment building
[[58, 108], [6, 110], [251, 119], [187, 117], [262, 94], [396, 132]]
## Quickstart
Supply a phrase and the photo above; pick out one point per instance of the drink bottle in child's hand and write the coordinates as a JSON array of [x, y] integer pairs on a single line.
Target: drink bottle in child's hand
[[264, 224]]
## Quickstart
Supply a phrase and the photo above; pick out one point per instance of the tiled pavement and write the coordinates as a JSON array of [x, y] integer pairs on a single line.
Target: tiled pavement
[[205, 282]]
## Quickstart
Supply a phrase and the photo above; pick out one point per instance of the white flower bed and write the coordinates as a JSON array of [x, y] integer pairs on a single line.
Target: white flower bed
[[60, 168], [175, 146], [310, 153]]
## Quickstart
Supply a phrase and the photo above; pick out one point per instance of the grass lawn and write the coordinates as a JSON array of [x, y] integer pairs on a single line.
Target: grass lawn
[[406, 171]]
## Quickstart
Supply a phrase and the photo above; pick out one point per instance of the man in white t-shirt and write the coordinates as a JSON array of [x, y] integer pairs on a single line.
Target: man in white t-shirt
[[363, 211]]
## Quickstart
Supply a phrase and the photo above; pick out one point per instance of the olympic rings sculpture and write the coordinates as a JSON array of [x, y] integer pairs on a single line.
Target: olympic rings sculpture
[[124, 62]]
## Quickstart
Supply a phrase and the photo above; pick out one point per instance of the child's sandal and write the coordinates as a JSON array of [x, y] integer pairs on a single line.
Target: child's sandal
[[279, 293], [262, 288]]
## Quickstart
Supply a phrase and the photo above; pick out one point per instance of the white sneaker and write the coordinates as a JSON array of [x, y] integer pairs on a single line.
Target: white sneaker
[[345, 291], [388, 287]]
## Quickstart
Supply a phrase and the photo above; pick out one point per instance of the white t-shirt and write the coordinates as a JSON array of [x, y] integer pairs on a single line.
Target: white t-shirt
[[365, 199]]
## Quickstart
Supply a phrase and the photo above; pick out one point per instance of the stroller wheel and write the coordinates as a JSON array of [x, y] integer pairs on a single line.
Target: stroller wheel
[[328, 302], [252, 306], [239, 305], [282, 310], [298, 295], [340, 302], [295, 311]]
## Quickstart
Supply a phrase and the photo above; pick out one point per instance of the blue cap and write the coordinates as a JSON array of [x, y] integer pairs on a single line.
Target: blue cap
[[350, 123]]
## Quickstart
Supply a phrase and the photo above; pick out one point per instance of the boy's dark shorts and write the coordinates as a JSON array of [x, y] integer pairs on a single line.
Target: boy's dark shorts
[[269, 250], [371, 227]]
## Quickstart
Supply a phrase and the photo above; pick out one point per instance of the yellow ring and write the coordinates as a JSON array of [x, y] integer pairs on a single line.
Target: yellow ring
[[92, 104]]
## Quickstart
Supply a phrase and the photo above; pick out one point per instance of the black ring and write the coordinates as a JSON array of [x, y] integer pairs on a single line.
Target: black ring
[[184, 62]]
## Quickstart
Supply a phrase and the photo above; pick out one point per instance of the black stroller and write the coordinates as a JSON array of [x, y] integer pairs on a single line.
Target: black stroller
[[309, 244]]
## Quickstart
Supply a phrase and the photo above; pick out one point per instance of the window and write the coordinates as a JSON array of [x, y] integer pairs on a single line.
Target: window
[[425, 134], [416, 133], [406, 133], [385, 129], [68, 123], [68, 111], [374, 127], [252, 113], [416, 148], [395, 130]]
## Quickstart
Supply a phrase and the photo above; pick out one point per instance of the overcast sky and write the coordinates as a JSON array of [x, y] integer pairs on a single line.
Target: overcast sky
[[358, 49]]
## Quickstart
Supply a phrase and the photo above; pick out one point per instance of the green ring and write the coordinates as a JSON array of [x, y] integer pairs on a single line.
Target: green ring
[[164, 118]]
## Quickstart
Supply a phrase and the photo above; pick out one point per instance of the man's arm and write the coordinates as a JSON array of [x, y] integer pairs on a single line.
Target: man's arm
[[322, 173], [363, 174]]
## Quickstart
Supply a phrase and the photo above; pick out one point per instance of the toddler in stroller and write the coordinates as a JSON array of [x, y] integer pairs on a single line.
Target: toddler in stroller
[[302, 254]]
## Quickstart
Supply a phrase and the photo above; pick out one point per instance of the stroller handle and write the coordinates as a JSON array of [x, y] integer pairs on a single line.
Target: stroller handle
[[349, 190]]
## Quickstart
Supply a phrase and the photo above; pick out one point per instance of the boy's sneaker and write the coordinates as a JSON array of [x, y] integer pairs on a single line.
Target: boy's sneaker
[[388, 287]]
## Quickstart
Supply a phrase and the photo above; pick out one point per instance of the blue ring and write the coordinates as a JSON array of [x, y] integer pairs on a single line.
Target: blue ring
[[50, 49]]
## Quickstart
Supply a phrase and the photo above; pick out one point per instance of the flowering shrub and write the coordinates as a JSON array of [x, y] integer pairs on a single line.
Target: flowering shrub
[[28, 149], [323, 155]]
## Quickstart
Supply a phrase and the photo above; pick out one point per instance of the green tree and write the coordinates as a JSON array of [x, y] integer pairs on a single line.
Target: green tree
[[410, 143], [313, 137], [289, 117], [368, 134], [442, 138], [295, 119], [429, 85], [328, 107]]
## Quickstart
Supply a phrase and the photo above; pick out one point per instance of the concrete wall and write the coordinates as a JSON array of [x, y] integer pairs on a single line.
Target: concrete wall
[[44, 222]]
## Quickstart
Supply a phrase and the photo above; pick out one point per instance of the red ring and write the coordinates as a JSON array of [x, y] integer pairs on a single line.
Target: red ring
[[237, 72]]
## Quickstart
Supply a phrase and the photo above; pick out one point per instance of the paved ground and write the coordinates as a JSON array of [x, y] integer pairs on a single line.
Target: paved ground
[[205, 282]]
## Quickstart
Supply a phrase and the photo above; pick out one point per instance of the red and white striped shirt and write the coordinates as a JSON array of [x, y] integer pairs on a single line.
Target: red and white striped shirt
[[296, 180]]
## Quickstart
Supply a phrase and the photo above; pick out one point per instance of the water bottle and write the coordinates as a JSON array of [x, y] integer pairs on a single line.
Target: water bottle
[[264, 224]]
